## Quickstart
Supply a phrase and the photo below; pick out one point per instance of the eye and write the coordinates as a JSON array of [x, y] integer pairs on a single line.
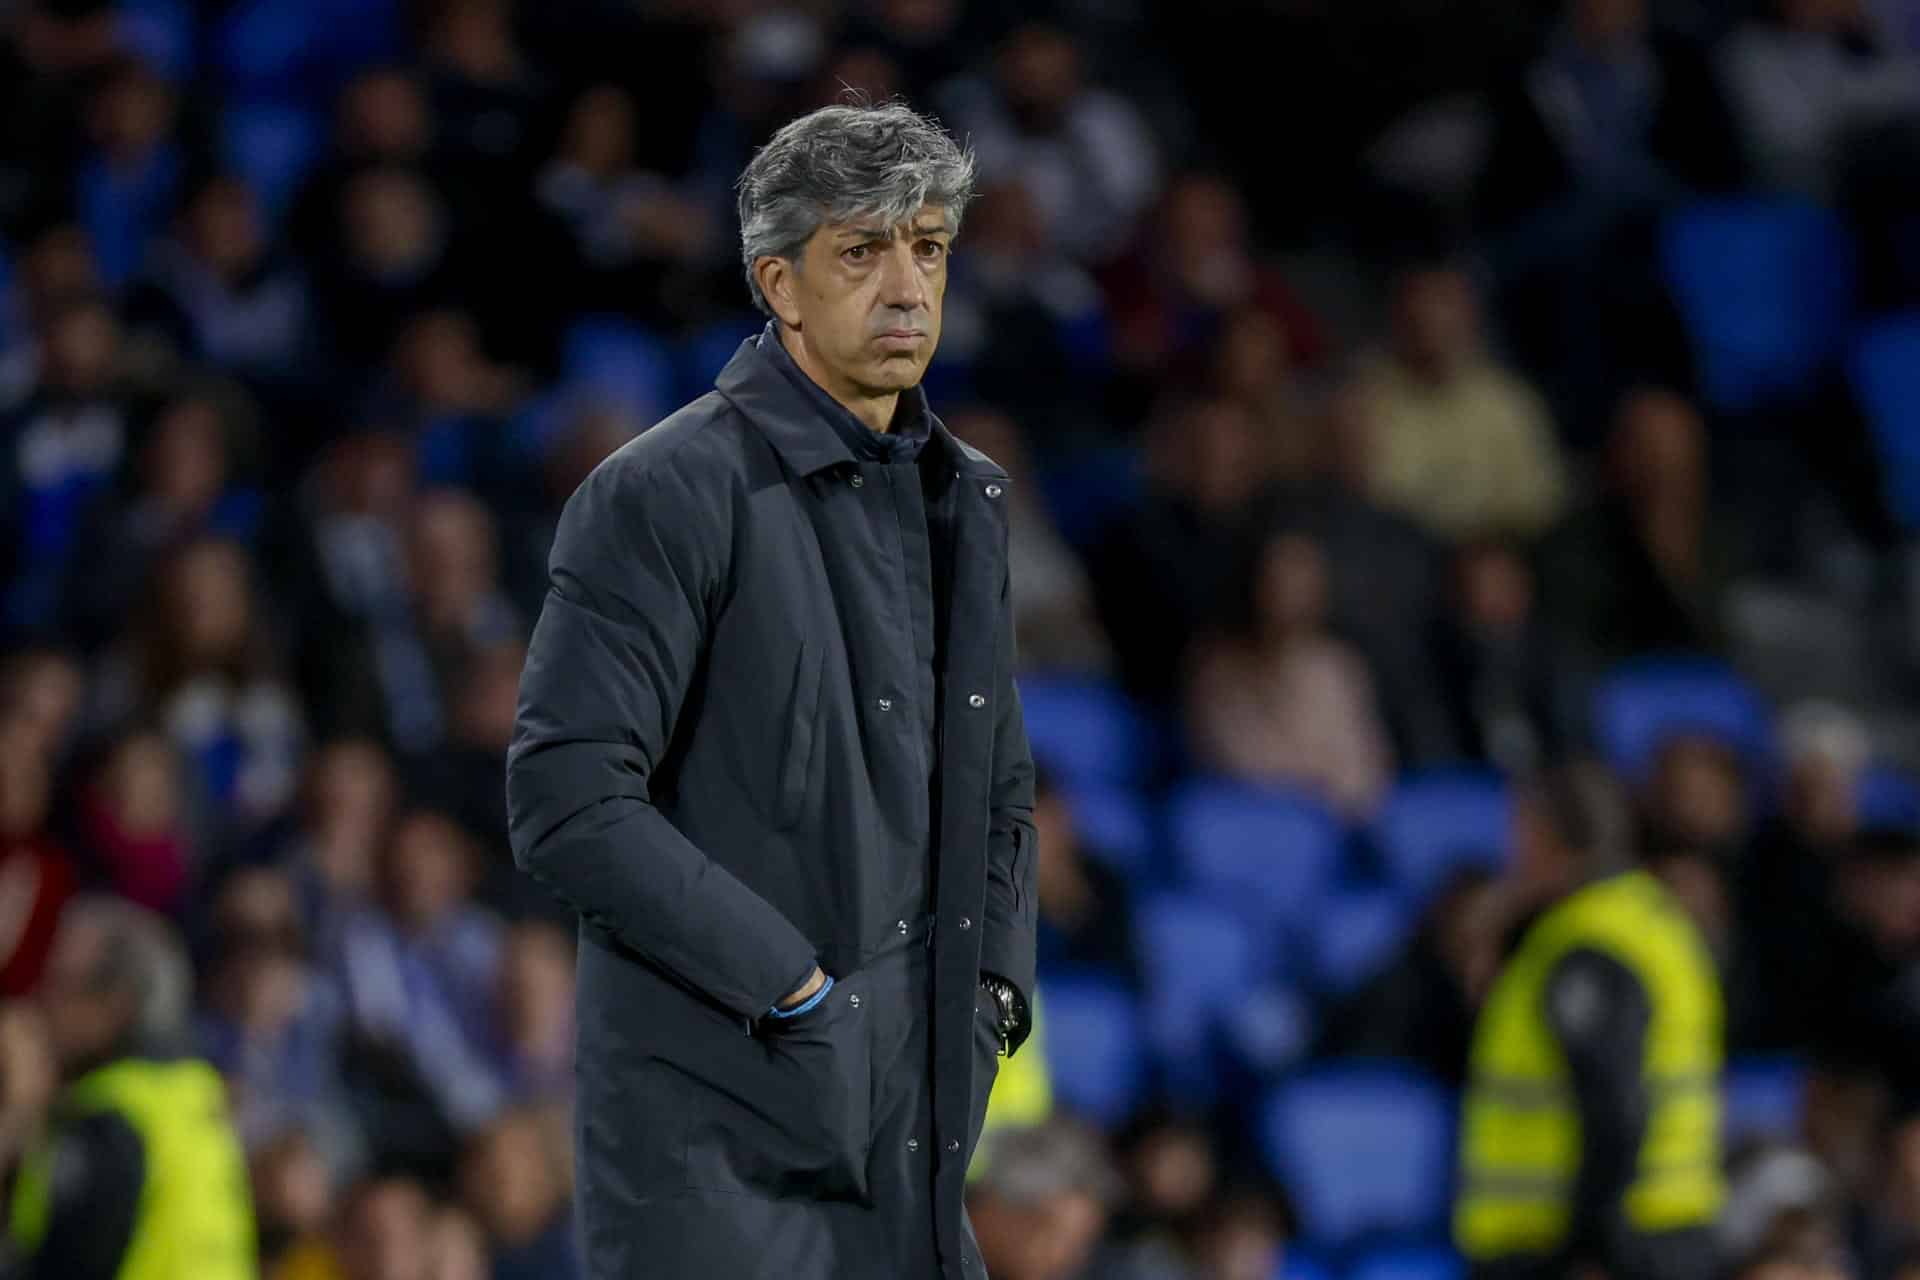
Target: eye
[[858, 253], [931, 249]]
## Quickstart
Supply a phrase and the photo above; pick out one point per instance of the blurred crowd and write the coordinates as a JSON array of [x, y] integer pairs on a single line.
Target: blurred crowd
[[1363, 436]]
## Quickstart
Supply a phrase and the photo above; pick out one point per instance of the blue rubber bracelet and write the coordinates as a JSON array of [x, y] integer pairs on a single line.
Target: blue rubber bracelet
[[803, 1006]]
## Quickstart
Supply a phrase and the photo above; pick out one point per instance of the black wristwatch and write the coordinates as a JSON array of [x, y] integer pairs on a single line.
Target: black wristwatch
[[1009, 1008]]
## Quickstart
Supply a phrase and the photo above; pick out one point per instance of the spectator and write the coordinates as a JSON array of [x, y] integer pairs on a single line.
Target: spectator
[[488, 98], [419, 971], [382, 117], [1870, 1014], [385, 1233], [62, 447], [203, 665], [390, 257], [1166, 569], [453, 570], [1466, 448], [459, 1247], [217, 292], [1041, 1203], [1781, 1220], [41, 694], [1644, 568], [332, 852], [535, 1004], [511, 1180], [132, 176], [456, 403], [1284, 701], [1696, 800], [1172, 1173], [1804, 78], [293, 1199], [463, 777], [1785, 894], [134, 822], [1242, 1237], [1510, 698], [1420, 1008], [1055, 624], [36, 875], [186, 487], [1086, 918], [1083, 153], [631, 230], [1170, 298]]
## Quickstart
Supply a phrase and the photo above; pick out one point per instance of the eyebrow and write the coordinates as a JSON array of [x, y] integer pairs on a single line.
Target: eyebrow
[[862, 234]]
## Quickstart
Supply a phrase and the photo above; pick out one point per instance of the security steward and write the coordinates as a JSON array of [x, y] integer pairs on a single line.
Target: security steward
[[135, 1172], [1590, 1144]]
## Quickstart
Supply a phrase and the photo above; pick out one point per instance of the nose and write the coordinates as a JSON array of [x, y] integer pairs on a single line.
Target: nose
[[901, 282]]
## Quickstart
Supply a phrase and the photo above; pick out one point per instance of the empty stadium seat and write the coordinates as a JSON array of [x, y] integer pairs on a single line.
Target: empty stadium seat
[[1364, 1150], [1764, 1098], [1436, 823], [1200, 959], [1355, 935], [1116, 826], [1884, 370], [1887, 797], [1644, 703], [622, 364], [1096, 1046], [1086, 730], [1409, 1264], [1273, 852], [1765, 289]]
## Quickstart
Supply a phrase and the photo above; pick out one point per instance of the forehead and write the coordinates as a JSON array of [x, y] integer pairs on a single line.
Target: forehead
[[926, 219]]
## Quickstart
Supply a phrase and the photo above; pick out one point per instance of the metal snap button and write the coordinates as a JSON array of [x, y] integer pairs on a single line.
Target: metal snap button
[[854, 999], [885, 704], [857, 480], [901, 925], [976, 700], [965, 924], [913, 1144], [953, 1144], [994, 491]]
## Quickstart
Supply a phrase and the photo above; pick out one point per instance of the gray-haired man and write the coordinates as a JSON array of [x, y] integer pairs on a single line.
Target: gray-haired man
[[769, 746]]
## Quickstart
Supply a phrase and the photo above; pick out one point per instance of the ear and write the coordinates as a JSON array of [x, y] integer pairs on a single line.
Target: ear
[[775, 276]]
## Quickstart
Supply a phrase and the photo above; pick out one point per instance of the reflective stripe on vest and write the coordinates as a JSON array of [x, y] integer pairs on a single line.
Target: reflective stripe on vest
[[1520, 1134], [195, 1216]]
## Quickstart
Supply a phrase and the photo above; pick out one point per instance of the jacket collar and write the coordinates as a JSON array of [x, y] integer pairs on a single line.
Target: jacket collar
[[795, 429]]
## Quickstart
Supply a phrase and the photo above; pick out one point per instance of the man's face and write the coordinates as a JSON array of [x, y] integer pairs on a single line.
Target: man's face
[[865, 300]]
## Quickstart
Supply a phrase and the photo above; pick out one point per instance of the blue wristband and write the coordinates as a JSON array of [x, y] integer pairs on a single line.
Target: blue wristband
[[805, 1005]]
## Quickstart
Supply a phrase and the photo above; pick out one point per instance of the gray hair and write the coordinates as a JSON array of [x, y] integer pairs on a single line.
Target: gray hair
[[1027, 1165], [839, 163], [142, 959]]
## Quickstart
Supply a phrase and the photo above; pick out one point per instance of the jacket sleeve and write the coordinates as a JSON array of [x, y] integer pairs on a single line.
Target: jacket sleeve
[[638, 564], [1007, 948]]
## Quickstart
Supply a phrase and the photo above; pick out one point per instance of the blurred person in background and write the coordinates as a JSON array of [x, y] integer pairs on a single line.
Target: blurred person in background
[[1644, 568], [294, 1198], [332, 846], [535, 1007], [1495, 658], [1167, 567], [384, 1232], [1420, 1008], [797, 828], [1696, 801], [1591, 1127], [1086, 915], [1869, 966], [42, 692], [459, 1247], [136, 825], [1783, 1219], [511, 1180], [36, 874], [139, 1173], [1056, 628], [131, 175], [204, 664], [1041, 1203], [381, 116], [1285, 701], [1466, 448]]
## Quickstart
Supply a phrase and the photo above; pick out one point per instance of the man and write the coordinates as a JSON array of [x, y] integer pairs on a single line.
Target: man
[[139, 1175], [769, 747], [1042, 1199], [1591, 1138]]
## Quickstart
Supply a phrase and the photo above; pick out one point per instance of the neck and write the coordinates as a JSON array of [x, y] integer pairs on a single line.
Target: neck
[[876, 411]]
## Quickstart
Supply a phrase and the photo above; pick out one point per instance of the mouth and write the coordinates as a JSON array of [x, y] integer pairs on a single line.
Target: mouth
[[900, 339]]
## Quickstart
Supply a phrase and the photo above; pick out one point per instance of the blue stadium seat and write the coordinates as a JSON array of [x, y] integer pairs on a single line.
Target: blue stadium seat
[[1115, 826], [159, 33], [1355, 935], [1888, 797], [1364, 1150], [1409, 1264], [1644, 703], [1434, 824], [1201, 960], [1885, 372], [703, 355], [1765, 288], [273, 148], [1764, 1098], [1273, 852], [622, 364], [1096, 1046], [1294, 1266], [1087, 731]]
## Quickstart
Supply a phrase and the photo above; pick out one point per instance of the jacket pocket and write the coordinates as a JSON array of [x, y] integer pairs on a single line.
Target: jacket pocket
[[796, 753], [825, 1106]]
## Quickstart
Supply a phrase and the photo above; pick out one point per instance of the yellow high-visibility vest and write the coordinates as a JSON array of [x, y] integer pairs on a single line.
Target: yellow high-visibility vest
[[195, 1216], [1520, 1135]]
